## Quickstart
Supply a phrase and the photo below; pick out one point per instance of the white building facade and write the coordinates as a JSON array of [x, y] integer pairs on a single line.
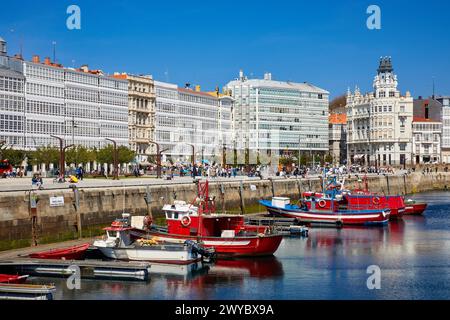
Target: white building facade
[[426, 141], [82, 106], [279, 116], [445, 146], [379, 124], [186, 117]]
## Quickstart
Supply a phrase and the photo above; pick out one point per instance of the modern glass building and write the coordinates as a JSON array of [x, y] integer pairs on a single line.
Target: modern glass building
[[186, 117], [279, 115]]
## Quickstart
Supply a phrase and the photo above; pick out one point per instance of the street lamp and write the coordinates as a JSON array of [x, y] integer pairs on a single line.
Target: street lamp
[[224, 157], [61, 157], [115, 159], [158, 158], [193, 154]]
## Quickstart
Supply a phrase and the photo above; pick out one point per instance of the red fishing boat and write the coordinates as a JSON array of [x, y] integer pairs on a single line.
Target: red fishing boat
[[226, 233], [414, 208], [72, 253], [395, 202], [16, 279]]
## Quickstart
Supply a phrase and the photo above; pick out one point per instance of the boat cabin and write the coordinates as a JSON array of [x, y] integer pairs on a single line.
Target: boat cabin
[[119, 231], [183, 219]]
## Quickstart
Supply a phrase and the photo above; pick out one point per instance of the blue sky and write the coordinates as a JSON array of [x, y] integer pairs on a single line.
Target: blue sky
[[323, 42]]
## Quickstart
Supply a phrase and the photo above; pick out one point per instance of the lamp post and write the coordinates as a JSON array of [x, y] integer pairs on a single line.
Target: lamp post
[[224, 158], [64, 152], [115, 159], [158, 157], [62, 170], [193, 154]]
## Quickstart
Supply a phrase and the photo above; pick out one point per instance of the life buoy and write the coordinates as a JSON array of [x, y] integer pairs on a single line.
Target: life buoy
[[186, 221], [322, 203], [376, 200], [148, 221]]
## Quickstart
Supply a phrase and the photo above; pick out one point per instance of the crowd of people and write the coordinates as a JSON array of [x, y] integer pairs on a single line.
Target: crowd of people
[[205, 170]]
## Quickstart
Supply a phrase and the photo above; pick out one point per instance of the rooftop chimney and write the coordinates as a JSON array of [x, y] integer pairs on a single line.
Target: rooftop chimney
[[84, 68], [197, 88], [36, 59], [267, 76], [47, 61], [241, 75]]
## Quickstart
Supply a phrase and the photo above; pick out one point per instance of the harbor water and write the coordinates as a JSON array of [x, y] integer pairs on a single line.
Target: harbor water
[[413, 255]]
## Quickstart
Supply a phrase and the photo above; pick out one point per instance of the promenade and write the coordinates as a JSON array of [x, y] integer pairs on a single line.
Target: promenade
[[24, 184]]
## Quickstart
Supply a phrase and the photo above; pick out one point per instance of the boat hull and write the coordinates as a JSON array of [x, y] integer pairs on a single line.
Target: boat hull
[[226, 247], [13, 279], [415, 209], [366, 217], [72, 253], [159, 254]]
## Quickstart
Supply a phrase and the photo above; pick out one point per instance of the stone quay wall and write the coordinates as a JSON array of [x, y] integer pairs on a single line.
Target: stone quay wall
[[88, 208]]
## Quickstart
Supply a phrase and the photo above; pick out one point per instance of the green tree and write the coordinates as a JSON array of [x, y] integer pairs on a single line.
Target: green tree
[[77, 155], [105, 154], [286, 160], [329, 158], [46, 155], [126, 155], [15, 157]]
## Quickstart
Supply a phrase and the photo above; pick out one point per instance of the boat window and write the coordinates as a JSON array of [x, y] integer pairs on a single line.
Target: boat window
[[175, 215], [112, 234]]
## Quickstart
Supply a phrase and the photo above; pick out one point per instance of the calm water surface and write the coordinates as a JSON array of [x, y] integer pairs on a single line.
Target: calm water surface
[[413, 254]]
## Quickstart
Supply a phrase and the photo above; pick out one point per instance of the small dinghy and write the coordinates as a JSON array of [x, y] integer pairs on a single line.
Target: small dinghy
[[72, 253], [10, 278]]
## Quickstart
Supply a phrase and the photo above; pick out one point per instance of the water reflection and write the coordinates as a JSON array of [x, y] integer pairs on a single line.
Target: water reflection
[[413, 254]]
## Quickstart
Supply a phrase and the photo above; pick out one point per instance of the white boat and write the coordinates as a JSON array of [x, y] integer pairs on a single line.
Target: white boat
[[118, 245]]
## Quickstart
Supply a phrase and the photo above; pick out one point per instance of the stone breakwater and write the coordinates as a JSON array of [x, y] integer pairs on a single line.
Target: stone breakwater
[[87, 209]]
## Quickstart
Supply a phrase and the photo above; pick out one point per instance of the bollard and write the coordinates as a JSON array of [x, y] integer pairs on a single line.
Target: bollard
[[299, 186], [32, 207], [404, 183], [222, 195], [148, 201], [241, 195], [272, 186], [77, 210], [387, 185]]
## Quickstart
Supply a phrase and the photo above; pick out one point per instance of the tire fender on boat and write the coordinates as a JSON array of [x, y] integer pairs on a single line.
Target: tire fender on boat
[[322, 203]]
